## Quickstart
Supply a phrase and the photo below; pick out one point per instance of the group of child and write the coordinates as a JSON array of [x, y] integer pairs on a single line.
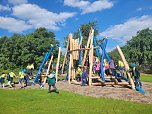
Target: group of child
[[24, 78], [9, 77], [81, 74], [110, 68]]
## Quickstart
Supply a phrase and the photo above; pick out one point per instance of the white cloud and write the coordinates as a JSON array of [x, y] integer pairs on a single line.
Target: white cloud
[[76, 3], [88, 7], [124, 32], [39, 17], [4, 8], [17, 2], [139, 9], [13, 25]]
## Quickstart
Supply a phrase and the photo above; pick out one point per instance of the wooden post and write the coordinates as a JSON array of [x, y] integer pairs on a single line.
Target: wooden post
[[49, 65], [57, 64], [77, 47], [74, 74], [69, 73], [70, 62], [72, 70], [91, 64], [89, 40], [65, 55], [126, 66], [48, 69]]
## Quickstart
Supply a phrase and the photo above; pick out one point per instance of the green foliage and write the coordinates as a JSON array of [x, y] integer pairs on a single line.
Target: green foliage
[[140, 47], [138, 50], [19, 50], [39, 101]]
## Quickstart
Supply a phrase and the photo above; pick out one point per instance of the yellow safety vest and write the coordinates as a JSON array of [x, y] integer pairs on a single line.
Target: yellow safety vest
[[120, 63], [12, 74], [28, 67], [3, 75], [21, 74], [32, 66]]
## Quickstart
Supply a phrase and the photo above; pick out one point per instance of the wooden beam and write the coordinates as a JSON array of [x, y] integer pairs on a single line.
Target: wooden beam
[[48, 69], [91, 64], [70, 62], [66, 52], [85, 53], [57, 64], [82, 49], [69, 72], [126, 66]]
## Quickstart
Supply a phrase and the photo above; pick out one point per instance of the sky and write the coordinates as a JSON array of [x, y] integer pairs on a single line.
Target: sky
[[118, 20]]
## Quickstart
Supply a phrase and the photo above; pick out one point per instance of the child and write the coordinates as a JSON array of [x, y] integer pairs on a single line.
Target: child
[[84, 76], [106, 66], [121, 68], [11, 76], [79, 73], [21, 78], [2, 80], [112, 66], [40, 80], [136, 74], [98, 68], [51, 82]]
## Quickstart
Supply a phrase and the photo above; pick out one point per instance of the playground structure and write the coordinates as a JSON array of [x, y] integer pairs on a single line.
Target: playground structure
[[75, 52]]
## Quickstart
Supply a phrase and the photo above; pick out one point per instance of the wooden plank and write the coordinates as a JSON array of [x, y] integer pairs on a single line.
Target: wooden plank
[[48, 69], [79, 49], [95, 77], [82, 49], [57, 64], [98, 84], [91, 64], [126, 66], [123, 83], [109, 83]]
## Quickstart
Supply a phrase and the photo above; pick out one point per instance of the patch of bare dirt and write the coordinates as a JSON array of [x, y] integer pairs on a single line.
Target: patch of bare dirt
[[116, 92]]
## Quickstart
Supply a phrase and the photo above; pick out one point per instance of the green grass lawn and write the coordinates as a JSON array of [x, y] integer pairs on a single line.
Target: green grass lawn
[[146, 77], [27, 101]]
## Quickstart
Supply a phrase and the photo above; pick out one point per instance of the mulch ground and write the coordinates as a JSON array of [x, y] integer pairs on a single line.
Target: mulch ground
[[116, 92]]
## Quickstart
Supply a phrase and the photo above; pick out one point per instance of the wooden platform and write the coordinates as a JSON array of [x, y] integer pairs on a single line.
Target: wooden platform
[[110, 83], [75, 82]]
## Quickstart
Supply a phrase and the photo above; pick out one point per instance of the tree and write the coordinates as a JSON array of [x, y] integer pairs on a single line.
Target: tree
[[139, 50], [140, 47], [84, 28], [18, 50]]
